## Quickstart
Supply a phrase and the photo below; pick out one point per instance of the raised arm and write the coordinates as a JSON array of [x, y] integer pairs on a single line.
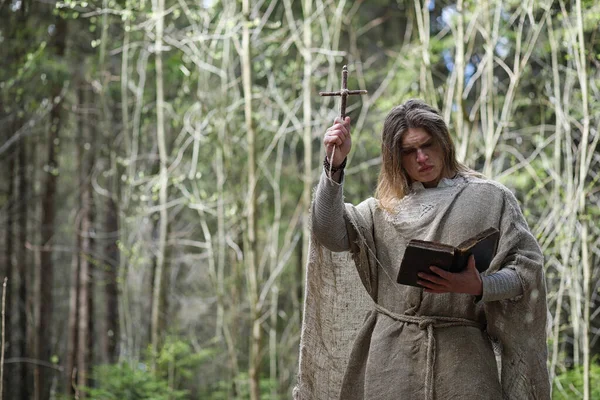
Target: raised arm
[[328, 224]]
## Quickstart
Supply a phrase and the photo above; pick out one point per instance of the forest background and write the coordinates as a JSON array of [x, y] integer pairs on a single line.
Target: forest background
[[158, 159]]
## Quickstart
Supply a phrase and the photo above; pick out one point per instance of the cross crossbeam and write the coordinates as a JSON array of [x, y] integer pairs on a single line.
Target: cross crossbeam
[[344, 92]]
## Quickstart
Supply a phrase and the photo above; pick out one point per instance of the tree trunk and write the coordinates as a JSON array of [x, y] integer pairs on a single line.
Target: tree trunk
[[488, 95], [119, 268], [44, 333], [21, 372], [72, 339], [24, 272], [426, 87], [7, 272], [227, 306], [85, 314], [85, 304], [307, 124], [72, 324], [583, 174], [159, 294], [84, 293], [111, 288], [462, 131], [250, 253]]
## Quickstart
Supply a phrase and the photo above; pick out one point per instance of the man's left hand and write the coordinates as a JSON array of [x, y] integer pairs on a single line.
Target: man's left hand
[[440, 281]]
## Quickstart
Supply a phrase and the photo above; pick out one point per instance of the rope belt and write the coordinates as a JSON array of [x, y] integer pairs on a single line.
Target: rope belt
[[428, 323]]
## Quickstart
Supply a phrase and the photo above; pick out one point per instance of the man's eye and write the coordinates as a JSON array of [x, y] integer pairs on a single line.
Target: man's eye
[[407, 152], [427, 144]]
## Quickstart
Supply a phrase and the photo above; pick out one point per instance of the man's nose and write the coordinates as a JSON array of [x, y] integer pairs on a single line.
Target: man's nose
[[421, 156]]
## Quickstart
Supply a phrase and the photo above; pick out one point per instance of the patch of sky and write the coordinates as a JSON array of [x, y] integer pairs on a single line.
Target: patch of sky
[[448, 57], [15, 5], [448, 60], [448, 13], [470, 67], [469, 71], [431, 5], [502, 47]]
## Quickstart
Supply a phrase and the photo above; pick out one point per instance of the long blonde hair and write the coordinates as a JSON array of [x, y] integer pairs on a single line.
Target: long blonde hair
[[393, 183]]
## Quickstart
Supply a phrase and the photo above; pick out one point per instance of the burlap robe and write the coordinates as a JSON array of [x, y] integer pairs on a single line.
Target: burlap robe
[[397, 342]]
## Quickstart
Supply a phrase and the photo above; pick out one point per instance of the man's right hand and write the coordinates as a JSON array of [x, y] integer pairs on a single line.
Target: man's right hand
[[338, 135]]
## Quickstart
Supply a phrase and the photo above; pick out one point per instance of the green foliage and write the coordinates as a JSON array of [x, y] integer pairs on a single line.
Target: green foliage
[[122, 381], [569, 385], [177, 361], [175, 364], [239, 389]]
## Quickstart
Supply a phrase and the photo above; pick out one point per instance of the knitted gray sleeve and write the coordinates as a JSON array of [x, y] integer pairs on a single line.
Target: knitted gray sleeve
[[328, 224], [501, 285]]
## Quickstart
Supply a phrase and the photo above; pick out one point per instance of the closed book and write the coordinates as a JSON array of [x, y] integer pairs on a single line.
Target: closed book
[[421, 254]]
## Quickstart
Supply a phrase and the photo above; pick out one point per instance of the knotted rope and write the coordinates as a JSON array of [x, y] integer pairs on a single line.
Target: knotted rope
[[428, 323]]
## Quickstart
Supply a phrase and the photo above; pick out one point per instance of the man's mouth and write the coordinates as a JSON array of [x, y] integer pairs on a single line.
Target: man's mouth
[[425, 168]]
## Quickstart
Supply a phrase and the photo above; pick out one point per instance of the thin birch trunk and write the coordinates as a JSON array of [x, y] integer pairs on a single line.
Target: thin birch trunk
[[224, 322], [159, 278], [125, 82], [462, 131], [230, 339], [558, 110], [300, 254], [307, 124], [487, 89], [569, 187], [274, 248], [585, 258], [557, 200], [220, 173], [575, 297], [250, 256], [583, 173], [220, 273], [116, 326], [426, 87]]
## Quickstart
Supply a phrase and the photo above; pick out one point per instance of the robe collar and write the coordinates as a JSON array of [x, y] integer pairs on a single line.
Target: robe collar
[[443, 183]]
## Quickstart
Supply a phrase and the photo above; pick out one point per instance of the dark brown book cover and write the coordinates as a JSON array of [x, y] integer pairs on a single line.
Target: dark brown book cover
[[421, 254]]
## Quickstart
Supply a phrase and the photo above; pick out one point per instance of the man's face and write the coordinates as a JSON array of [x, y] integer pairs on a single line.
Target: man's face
[[422, 157]]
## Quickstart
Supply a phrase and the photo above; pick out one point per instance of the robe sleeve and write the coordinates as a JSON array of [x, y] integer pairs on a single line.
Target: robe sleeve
[[327, 218], [520, 324]]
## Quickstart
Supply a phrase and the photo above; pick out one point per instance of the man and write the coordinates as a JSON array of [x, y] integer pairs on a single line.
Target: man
[[365, 336]]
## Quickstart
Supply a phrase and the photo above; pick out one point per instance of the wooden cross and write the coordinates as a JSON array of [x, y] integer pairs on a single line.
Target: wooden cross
[[344, 92]]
